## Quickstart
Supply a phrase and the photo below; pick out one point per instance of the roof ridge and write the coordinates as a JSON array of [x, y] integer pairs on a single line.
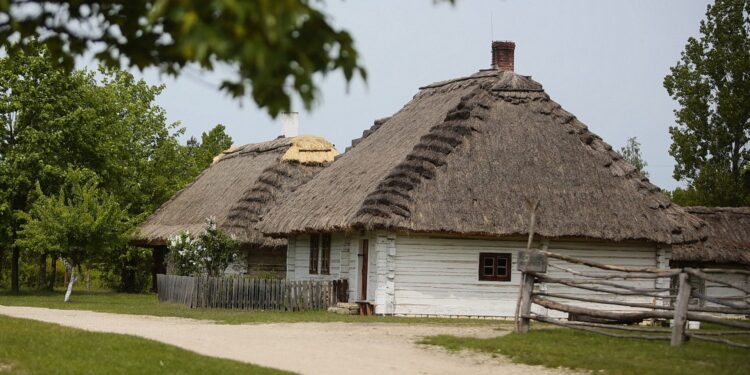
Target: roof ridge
[[392, 194]]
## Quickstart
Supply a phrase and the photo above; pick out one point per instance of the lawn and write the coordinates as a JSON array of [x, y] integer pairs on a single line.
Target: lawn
[[552, 347], [29, 347], [148, 304]]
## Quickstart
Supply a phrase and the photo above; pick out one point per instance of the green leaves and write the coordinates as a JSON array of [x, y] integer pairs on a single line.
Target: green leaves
[[631, 152], [53, 122], [711, 84], [275, 47], [82, 222]]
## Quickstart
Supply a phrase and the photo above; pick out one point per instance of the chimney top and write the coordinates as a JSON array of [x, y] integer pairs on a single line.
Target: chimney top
[[290, 124], [503, 55]]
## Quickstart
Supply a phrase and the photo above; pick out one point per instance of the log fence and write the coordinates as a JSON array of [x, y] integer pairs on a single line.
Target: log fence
[[673, 304], [250, 294]]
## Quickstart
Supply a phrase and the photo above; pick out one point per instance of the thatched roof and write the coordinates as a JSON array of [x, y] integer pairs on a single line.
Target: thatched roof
[[242, 185], [728, 240], [464, 157]]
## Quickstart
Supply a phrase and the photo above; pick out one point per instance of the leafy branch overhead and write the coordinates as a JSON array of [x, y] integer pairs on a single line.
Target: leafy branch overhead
[[275, 48]]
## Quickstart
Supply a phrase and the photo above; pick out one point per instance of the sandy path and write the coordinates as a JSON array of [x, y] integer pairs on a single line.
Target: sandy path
[[306, 348]]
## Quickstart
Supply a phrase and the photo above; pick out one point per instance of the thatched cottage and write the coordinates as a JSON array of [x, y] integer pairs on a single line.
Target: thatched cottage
[[727, 246], [426, 213], [242, 184]]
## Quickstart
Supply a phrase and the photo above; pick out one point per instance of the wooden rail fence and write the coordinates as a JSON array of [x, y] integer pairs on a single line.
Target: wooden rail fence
[[668, 303], [250, 294]]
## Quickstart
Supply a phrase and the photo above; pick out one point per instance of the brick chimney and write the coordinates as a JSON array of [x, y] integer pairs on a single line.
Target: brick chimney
[[502, 55]]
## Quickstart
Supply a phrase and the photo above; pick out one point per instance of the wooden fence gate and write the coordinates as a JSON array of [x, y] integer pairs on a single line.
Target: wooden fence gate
[[675, 303], [250, 294]]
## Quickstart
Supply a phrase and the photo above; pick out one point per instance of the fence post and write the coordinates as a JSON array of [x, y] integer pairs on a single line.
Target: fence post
[[680, 310], [529, 262]]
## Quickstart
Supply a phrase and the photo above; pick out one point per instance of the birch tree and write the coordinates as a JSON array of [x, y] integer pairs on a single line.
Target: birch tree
[[82, 223]]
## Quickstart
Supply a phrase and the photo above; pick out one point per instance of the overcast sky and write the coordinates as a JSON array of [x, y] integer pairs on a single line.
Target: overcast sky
[[604, 61]]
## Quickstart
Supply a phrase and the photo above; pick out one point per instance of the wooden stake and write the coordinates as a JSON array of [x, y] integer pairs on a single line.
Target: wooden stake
[[527, 287], [680, 311]]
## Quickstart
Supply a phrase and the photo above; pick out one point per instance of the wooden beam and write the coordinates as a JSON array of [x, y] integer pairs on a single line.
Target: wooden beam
[[590, 263], [588, 329]]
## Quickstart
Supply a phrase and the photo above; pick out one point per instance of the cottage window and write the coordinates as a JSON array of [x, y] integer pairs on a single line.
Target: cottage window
[[494, 266], [325, 256], [320, 254], [314, 253]]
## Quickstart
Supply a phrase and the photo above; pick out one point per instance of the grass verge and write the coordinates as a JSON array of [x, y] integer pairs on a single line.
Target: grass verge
[[588, 351], [148, 304], [29, 347]]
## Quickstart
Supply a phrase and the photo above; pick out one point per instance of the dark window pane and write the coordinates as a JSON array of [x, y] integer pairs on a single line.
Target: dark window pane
[[325, 256], [314, 253], [488, 271]]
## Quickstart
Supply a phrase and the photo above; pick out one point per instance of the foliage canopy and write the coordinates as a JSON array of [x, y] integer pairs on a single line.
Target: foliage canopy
[[711, 84], [274, 48]]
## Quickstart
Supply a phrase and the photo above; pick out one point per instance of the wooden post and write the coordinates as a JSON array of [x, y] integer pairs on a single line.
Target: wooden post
[[680, 310], [527, 287], [529, 262]]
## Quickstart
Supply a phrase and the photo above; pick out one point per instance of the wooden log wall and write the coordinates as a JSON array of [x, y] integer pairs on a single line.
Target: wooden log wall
[[250, 294]]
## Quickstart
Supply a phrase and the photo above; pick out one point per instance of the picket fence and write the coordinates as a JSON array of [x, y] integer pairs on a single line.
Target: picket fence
[[250, 294]]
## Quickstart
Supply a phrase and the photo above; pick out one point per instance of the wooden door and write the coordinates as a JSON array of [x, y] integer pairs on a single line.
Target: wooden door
[[363, 271]]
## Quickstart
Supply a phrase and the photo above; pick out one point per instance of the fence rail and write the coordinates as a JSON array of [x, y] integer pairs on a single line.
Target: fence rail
[[668, 303], [250, 294]]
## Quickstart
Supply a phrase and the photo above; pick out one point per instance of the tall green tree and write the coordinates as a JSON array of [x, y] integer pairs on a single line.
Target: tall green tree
[[108, 123], [81, 222], [631, 152], [35, 120], [711, 84], [276, 48]]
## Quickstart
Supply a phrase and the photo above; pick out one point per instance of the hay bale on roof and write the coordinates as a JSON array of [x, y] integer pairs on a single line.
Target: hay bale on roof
[[465, 155], [239, 188], [728, 241]]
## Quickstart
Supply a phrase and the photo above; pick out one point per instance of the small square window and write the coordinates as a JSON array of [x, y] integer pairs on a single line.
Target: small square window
[[494, 266]]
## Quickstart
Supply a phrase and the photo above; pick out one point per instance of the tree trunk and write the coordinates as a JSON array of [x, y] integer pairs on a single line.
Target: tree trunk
[[53, 279], [14, 270], [73, 279], [88, 279], [42, 271]]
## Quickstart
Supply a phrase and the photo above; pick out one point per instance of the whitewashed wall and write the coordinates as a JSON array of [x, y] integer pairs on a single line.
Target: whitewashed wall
[[719, 290], [424, 275], [439, 276]]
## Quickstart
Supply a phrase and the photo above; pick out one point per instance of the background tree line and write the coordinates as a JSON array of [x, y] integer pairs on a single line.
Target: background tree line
[[84, 152]]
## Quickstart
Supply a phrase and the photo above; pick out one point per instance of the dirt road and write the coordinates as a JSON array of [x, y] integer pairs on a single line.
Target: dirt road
[[306, 348]]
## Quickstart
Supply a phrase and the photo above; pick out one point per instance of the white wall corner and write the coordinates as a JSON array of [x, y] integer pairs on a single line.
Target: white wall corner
[[381, 269]]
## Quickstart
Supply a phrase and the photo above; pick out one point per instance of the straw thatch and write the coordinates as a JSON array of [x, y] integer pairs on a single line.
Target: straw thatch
[[728, 240], [465, 156], [240, 187]]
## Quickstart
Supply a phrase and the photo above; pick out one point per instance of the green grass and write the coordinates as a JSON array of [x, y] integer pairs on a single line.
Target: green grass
[[147, 304], [552, 347], [29, 347]]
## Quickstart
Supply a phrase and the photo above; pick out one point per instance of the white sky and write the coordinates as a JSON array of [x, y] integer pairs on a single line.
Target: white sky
[[604, 61]]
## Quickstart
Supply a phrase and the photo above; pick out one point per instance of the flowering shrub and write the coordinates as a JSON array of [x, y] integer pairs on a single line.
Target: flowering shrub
[[211, 253]]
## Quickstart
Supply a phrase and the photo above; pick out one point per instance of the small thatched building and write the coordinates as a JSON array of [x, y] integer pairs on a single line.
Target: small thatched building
[[727, 246], [241, 186], [426, 213]]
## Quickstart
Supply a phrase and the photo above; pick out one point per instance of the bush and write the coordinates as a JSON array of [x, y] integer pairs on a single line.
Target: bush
[[211, 253]]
